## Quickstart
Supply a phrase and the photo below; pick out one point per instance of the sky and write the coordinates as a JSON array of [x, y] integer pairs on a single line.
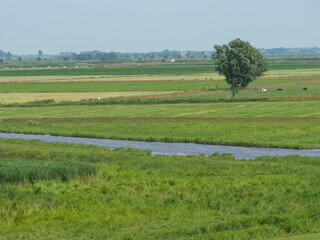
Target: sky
[[54, 26]]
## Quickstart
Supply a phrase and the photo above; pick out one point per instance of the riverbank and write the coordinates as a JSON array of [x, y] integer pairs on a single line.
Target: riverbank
[[161, 148]]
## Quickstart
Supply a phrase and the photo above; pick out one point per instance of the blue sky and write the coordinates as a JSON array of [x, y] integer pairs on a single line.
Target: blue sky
[[153, 25]]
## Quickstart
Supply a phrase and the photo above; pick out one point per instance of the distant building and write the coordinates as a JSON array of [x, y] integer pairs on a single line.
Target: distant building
[[183, 54]]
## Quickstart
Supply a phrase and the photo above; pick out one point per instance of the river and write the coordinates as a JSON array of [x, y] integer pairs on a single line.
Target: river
[[169, 148]]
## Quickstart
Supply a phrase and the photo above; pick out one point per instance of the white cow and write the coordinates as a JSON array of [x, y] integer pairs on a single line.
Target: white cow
[[262, 90]]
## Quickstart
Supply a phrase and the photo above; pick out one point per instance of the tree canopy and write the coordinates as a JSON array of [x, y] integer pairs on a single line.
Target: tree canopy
[[239, 62]]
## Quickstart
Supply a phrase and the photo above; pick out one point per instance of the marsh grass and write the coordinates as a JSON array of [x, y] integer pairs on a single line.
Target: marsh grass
[[138, 196], [21, 170]]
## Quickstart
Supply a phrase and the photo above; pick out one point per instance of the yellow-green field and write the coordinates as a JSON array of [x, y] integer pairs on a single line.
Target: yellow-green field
[[73, 96], [104, 78], [314, 72], [16, 89]]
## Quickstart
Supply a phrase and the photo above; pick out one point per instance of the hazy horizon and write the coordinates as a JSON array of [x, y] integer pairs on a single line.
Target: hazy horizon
[[150, 26]]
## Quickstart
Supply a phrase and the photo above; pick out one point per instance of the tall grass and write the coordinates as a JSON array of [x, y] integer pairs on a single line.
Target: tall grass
[[138, 196], [21, 170]]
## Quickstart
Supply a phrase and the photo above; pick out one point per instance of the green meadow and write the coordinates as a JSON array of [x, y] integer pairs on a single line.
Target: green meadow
[[187, 110], [108, 86], [65, 191], [184, 110], [137, 69], [91, 192], [286, 132]]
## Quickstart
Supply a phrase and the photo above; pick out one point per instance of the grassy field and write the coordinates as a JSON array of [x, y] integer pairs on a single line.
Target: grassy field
[[120, 78], [288, 118], [73, 96], [284, 73], [109, 86], [129, 194], [315, 236], [137, 69], [260, 132], [287, 74], [148, 85], [229, 109], [76, 88], [64, 191]]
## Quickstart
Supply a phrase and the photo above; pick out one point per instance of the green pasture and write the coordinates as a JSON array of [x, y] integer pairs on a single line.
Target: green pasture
[[284, 74], [288, 94], [132, 195], [142, 85], [86, 87], [314, 236], [136, 69], [230, 109], [259, 131], [288, 124], [65, 191], [117, 78], [199, 100], [109, 86], [115, 70]]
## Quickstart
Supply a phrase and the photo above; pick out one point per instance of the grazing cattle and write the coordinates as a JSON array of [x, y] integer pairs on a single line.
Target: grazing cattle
[[263, 90], [304, 88], [279, 89]]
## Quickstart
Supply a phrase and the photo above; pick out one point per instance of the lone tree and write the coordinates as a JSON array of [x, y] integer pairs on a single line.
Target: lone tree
[[239, 62]]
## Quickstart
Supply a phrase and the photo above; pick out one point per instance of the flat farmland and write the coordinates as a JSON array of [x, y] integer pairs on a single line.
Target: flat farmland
[[264, 124], [109, 78], [168, 107], [149, 69], [67, 191], [164, 87], [289, 132], [232, 109], [107, 86], [12, 97], [287, 74]]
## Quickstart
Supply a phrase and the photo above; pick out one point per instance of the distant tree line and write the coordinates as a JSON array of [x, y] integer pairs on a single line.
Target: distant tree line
[[140, 56], [165, 54], [289, 51], [5, 55]]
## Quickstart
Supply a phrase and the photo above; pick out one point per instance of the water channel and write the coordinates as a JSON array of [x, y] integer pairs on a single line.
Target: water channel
[[169, 148]]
